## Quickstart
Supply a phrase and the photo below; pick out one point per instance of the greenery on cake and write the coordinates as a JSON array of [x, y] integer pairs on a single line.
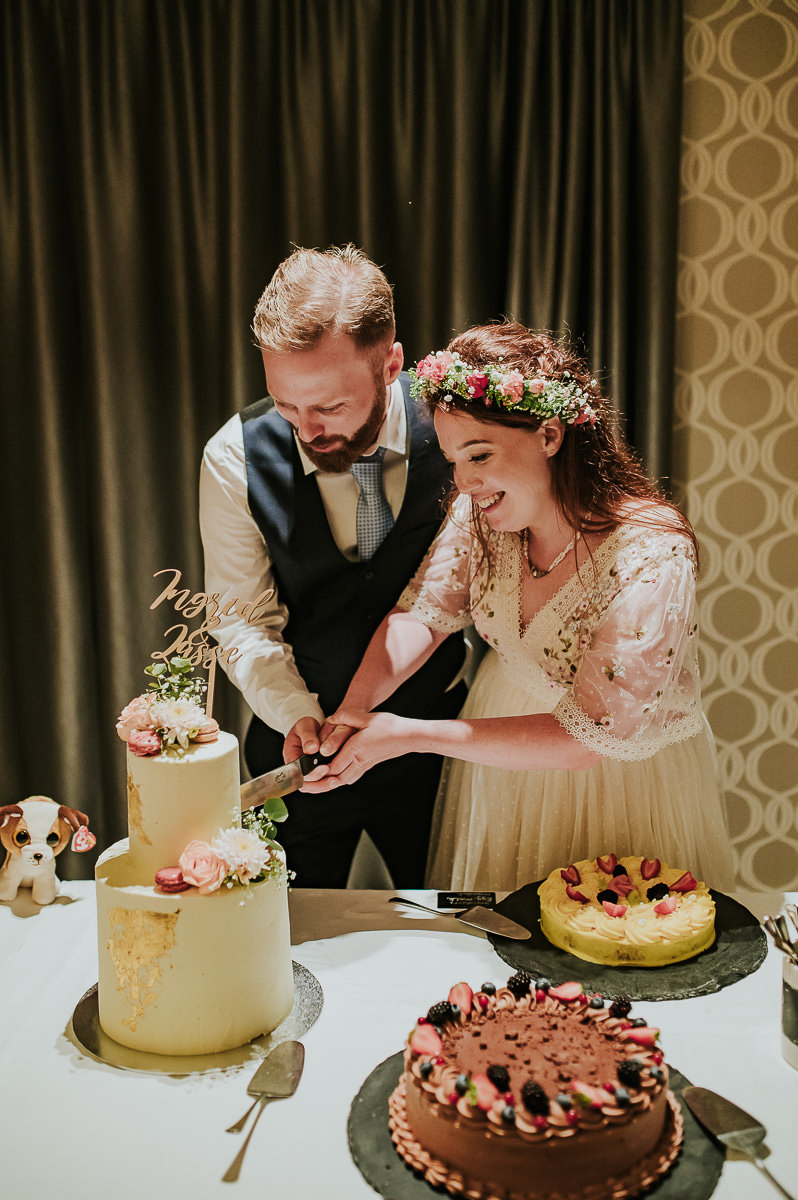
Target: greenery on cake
[[170, 714]]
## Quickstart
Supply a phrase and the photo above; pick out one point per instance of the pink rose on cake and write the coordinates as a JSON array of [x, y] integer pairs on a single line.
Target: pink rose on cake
[[135, 716], [202, 867], [245, 854]]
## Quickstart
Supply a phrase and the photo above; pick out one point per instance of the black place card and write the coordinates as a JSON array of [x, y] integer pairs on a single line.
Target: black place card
[[466, 899]]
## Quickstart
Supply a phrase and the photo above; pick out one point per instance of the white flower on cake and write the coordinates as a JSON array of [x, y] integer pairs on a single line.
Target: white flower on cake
[[177, 721], [244, 853]]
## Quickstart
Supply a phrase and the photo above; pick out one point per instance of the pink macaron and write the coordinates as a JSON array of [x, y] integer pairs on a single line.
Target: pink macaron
[[170, 879]]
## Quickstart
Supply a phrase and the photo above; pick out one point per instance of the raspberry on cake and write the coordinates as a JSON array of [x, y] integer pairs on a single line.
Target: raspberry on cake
[[628, 911], [535, 1092]]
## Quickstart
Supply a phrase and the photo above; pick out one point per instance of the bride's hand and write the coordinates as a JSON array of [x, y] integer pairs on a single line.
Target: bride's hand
[[372, 738]]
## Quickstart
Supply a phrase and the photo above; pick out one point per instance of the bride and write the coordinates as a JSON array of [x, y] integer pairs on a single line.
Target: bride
[[583, 733]]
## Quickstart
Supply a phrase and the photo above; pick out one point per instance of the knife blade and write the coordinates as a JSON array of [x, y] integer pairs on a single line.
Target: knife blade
[[732, 1126], [486, 919], [279, 782]]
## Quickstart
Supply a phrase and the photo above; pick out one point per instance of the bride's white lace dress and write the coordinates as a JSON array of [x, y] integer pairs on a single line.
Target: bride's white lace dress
[[613, 656]]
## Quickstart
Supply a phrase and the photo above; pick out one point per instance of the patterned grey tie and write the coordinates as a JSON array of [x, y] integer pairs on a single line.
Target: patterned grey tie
[[374, 518]]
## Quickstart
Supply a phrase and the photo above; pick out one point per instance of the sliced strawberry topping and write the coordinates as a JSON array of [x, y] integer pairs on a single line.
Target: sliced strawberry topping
[[571, 874], [666, 906], [608, 864], [642, 1035], [425, 1039], [614, 910], [462, 995], [650, 867], [486, 1092], [566, 991], [685, 883], [574, 894], [621, 885]]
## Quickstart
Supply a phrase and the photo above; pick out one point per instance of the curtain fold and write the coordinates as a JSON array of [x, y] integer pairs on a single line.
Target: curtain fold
[[158, 158]]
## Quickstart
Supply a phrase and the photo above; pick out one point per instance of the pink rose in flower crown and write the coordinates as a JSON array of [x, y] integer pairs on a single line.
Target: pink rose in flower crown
[[511, 385], [477, 384], [537, 386], [144, 742], [435, 366], [201, 866], [136, 715]]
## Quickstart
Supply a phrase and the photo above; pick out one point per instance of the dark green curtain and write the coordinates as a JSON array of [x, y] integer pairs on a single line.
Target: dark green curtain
[[159, 158]]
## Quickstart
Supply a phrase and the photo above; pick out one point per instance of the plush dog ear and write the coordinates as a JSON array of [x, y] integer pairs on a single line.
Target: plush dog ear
[[73, 817], [10, 817], [8, 812], [82, 839]]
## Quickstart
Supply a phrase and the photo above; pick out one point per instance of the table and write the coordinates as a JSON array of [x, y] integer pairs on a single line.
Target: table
[[79, 1129]]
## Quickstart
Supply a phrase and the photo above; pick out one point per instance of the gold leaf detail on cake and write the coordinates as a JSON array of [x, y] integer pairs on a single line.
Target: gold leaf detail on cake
[[134, 821], [138, 943]]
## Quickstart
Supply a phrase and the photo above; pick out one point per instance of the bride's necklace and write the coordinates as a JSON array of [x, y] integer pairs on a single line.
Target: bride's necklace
[[539, 572]]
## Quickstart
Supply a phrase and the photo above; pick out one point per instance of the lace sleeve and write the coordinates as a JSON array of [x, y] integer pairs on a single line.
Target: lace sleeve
[[438, 593], [636, 686]]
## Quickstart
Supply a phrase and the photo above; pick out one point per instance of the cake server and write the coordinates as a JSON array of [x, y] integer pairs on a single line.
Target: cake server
[[287, 778], [276, 1078], [732, 1126], [486, 919]]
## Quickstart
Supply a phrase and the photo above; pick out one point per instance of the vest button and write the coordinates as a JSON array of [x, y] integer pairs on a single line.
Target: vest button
[[368, 574]]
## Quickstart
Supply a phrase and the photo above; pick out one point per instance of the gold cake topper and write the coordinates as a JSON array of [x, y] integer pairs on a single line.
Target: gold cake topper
[[194, 645]]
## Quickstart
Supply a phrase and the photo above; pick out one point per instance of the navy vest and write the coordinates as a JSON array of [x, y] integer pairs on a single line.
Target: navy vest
[[335, 605]]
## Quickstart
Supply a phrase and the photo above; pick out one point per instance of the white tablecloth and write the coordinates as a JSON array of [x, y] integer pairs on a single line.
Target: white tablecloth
[[77, 1129]]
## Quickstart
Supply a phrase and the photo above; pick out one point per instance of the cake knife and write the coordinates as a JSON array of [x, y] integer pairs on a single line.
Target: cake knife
[[287, 778], [486, 919], [276, 1078], [732, 1126]]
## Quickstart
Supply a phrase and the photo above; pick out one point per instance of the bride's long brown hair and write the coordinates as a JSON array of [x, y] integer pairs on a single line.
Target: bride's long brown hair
[[595, 473]]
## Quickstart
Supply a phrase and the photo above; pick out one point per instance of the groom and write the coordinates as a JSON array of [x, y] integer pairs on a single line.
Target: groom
[[329, 491]]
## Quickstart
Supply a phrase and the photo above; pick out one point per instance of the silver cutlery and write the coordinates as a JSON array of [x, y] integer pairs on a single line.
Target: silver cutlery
[[276, 1078], [778, 930], [732, 1126], [792, 913]]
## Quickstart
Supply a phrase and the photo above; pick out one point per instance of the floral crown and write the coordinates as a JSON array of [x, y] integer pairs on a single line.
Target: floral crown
[[443, 375]]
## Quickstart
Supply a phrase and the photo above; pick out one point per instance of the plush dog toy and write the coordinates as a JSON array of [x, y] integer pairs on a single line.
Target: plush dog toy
[[33, 833]]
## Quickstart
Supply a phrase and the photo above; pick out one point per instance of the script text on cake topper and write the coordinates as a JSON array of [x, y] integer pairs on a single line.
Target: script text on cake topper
[[194, 646]]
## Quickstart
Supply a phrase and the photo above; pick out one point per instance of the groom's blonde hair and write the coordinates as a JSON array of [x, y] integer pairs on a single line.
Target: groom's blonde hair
[[315, 292]]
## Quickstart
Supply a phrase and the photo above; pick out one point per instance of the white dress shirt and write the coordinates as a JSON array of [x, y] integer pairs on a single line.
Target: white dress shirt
[[238, 563]]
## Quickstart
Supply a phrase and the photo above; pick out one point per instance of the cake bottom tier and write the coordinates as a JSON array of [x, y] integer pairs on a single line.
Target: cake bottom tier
[[185, 973], [609, 1162]]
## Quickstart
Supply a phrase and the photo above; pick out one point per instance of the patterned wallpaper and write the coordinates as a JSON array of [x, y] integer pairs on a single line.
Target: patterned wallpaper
[[736, 435]]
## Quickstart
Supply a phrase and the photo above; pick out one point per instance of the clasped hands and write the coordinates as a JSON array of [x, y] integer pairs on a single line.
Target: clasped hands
[[355, 741]]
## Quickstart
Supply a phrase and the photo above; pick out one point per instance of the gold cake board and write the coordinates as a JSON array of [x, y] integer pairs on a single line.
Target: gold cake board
[[86, 1033]]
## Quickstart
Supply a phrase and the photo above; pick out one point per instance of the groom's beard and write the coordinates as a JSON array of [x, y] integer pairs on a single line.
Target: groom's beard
[[348, 450]]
